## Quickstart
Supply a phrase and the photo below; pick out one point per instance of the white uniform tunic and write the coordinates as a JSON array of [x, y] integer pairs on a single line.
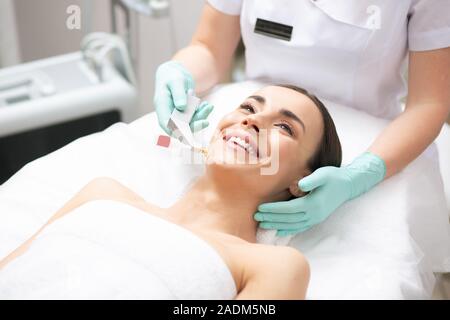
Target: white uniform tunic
[[352, 52]]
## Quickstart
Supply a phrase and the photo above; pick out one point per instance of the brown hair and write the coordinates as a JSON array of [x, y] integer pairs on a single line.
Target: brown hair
[[329, 151]]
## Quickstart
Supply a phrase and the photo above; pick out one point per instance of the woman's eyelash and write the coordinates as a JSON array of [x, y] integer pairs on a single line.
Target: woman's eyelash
[[287, 128], [247, 106]]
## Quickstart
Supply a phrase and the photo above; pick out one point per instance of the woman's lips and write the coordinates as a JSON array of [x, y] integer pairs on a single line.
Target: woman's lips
[[232, 143], [242, 139]]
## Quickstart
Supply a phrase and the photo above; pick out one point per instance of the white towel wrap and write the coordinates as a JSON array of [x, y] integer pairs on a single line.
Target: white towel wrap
[[106, 249]]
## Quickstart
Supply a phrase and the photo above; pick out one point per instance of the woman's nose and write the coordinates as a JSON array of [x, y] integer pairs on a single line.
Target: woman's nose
[[250, 122]]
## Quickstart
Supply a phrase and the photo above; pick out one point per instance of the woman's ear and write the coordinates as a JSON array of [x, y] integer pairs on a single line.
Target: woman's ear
[[294, 189]]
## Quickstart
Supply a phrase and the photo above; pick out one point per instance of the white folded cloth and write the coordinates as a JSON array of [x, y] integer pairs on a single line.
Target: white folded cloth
[[266, 236]]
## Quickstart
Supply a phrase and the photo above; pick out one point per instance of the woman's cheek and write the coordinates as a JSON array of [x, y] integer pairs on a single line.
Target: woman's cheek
[[224, 123], [285, 151], [280, 146], [230, 119], [288, 154]]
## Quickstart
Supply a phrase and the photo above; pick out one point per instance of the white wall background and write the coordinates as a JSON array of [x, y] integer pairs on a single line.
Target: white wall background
[[42, 32]]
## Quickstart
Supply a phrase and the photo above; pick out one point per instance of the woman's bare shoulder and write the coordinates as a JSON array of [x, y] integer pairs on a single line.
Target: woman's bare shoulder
[[282, 270]]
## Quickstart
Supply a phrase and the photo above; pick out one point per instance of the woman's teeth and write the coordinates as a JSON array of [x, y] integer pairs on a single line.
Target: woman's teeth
[[243, 144]]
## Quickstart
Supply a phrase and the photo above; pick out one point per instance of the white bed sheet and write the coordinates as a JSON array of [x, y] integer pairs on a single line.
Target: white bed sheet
[[385, 244]]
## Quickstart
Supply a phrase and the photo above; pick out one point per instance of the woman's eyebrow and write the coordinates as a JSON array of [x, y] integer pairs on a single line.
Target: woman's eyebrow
[[260, 99]]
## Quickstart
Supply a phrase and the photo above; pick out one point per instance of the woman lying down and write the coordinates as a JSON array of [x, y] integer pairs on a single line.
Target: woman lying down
[[109, 243]]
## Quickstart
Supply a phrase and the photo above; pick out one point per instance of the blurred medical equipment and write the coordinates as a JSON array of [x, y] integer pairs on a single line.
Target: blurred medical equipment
[[100, 49], [9, 44], [380, 245], [149, 8], [48, 103]]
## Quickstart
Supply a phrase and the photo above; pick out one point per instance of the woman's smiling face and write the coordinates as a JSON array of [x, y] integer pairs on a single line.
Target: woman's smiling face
[[274, 124]]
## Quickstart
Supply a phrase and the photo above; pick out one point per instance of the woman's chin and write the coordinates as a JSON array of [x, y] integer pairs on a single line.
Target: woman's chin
[[235, 157]]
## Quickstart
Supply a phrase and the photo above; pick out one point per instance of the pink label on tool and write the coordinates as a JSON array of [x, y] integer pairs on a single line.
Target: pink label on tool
[[163, 141]]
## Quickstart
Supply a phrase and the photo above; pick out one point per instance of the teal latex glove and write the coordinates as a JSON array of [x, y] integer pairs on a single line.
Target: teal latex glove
[[172, 84], [329, 188]]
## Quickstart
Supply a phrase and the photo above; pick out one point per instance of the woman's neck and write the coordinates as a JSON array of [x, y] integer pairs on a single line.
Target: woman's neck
[[223, 206]]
